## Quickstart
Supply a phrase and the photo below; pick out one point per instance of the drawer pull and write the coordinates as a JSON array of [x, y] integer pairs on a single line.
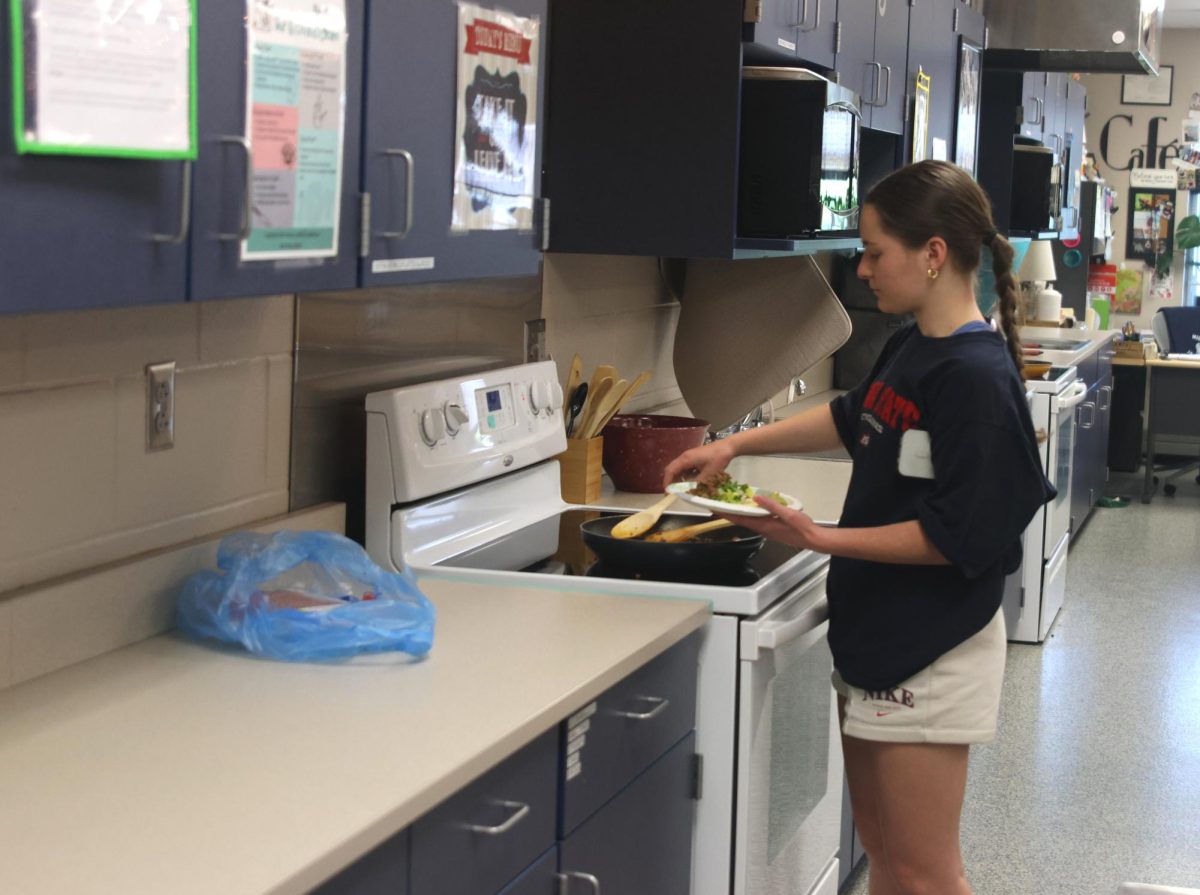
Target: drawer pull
[[521, 810], [661, 701], [564, 881]]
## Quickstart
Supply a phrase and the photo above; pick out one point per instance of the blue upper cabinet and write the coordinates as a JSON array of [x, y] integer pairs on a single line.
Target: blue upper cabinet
[[871, 54], [409, 141], [222, 208], [80, 232], [933, 49], [786, 30]]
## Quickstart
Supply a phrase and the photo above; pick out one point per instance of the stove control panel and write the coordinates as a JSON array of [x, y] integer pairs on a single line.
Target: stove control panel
[[436, 436]]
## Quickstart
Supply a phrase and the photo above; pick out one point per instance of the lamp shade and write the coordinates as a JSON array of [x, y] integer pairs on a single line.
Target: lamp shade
[[1038, 266]]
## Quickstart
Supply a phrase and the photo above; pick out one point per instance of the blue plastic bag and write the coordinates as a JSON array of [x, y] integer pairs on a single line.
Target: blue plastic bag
[[304, 596]]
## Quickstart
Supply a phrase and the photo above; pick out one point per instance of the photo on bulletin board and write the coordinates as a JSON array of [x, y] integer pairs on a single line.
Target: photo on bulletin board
[[966, 133], [1151, 224], [1148, 90]]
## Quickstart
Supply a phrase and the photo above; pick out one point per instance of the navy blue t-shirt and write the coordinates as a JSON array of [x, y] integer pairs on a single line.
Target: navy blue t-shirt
[[888, 621]]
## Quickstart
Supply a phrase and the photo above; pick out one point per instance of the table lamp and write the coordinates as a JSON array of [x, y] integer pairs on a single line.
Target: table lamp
[[1036, 274]]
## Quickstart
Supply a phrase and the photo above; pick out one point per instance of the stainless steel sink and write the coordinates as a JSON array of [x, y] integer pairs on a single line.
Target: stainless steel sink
[[1055, 344]]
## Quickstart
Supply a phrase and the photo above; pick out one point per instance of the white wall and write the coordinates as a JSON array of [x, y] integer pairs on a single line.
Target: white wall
[[1180, 48]]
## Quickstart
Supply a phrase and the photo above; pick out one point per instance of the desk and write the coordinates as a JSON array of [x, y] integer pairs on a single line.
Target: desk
[[1173, 407]]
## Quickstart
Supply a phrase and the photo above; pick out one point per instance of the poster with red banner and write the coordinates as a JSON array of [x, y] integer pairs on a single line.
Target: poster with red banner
[[1102, 279], [496, 121]]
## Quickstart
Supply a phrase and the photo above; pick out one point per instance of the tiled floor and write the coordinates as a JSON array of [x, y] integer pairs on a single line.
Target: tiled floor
[[1094, 778]]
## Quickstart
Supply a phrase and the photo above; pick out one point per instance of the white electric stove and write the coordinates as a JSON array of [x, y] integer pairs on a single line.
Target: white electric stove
[[461, 483], [1034, 594]]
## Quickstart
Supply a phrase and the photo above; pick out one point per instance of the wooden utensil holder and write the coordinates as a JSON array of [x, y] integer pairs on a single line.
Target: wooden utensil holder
[[579, 468]]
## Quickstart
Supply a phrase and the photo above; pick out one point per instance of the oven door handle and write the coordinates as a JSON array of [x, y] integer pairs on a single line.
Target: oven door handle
[[1073, 396], [776, 635]]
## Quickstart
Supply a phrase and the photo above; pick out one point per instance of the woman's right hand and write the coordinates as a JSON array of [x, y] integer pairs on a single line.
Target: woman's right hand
[[699, 463]]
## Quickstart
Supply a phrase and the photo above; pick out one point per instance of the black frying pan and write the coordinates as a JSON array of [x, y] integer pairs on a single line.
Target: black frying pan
[[723, 550]]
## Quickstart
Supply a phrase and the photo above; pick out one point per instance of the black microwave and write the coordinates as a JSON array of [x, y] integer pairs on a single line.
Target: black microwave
[[798, 155], [1036, 199]]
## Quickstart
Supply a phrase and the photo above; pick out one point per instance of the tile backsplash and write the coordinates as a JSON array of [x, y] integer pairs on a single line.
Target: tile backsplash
[[77, 486]]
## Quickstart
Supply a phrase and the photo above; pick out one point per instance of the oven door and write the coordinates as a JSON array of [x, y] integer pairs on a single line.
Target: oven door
[[1061, 457], [838, 187], [789, 764]]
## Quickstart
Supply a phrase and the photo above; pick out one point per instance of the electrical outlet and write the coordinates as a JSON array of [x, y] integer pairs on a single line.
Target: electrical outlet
[[796, 389], [160, 406], [535, 341]]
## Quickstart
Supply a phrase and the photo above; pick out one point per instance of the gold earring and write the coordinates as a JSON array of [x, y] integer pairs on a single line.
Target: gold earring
[[931, 273]]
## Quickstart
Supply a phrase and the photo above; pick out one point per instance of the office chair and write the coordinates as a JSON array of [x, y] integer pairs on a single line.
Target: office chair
[[1177, 331]]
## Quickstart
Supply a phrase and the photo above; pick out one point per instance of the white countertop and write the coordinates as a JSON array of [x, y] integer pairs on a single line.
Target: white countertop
[[170, 768], [1094, 338]]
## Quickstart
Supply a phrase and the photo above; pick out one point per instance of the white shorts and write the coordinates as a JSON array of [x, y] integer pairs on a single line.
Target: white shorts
[[956, 699]]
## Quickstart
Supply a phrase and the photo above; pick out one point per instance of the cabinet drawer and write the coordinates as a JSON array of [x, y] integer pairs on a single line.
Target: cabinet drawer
[[481, 837], [608, 743], [382, 871], [640, 843]]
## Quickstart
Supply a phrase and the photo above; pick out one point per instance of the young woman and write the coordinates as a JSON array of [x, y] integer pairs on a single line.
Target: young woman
[[946, 477]]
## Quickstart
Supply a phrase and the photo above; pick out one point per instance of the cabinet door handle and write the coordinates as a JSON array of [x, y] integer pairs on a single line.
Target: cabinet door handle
[[1041, 111], [1090, 406], [520, 810], [564, 881], [874, 100], [662, 703], [1107, 391], [185, 211], [887, 86], [247, 191], [408, 193], [804, 17]]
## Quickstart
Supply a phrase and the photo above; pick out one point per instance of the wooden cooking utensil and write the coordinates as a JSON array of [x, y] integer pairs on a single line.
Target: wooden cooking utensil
[[620, 402], [574, 377], [606, 408], [639, 523], [596, 394], [679, 535]]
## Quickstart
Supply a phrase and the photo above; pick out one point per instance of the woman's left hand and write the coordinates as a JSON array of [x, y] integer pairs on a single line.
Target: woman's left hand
[[784, 524]]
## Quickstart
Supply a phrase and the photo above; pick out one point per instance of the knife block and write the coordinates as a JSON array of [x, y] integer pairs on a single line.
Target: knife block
[[579, 469]]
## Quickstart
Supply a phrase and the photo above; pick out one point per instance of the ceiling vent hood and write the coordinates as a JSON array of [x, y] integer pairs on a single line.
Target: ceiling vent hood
[[1074, 35]]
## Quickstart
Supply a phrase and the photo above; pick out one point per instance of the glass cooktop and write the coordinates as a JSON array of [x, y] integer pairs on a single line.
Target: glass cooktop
[[555, 546]]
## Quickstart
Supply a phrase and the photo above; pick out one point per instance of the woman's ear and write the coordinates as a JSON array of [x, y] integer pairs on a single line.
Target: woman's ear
[[936, 253]]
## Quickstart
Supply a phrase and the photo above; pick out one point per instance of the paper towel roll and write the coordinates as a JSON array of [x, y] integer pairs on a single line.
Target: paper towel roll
[[747, 327], [1049, 304]]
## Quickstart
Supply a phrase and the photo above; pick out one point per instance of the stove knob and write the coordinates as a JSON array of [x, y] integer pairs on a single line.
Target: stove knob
[[433, 426], [456, 418], [556, 396], [539, 397]]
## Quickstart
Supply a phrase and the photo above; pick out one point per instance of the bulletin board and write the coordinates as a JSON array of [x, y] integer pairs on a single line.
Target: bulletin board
[[1150, 226]]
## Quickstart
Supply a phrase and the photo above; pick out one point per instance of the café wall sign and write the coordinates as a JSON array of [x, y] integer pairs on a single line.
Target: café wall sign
[[1151, 154]]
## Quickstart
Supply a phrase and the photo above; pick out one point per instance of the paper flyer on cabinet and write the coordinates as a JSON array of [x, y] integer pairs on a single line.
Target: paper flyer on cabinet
[[102, 83], [295, 115], [496, 120]]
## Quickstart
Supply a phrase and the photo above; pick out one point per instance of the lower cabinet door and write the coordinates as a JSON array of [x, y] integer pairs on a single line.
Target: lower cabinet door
[[640, 842], [540, 879]]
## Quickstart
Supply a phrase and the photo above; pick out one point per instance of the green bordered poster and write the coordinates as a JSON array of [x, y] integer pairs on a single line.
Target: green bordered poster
[[104, 77], [295, 116]]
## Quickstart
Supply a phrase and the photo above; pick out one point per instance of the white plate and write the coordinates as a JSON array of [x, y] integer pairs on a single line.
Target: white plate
[[681, 489]]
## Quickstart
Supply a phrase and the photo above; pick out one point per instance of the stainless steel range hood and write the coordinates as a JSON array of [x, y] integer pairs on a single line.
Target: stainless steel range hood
[[1074, 35]]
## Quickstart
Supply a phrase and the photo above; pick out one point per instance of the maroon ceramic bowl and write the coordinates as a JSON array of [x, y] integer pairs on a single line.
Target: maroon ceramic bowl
[[638, 447]]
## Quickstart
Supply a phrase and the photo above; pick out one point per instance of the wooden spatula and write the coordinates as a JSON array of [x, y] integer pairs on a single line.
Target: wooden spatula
[[574, 377], [606, 408], [679, 535], [616, 405], [639, 523], [595, 396]]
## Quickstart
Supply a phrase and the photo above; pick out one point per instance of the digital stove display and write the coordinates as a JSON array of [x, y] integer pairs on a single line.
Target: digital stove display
[[554, 546]]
